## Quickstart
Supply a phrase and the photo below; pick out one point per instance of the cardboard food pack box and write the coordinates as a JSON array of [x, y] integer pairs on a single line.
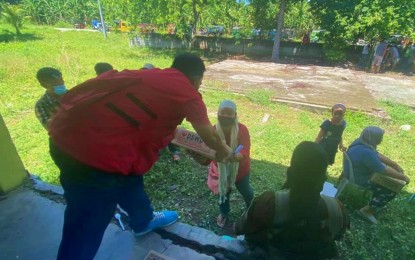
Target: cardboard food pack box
[[192, 142], [389, 183]]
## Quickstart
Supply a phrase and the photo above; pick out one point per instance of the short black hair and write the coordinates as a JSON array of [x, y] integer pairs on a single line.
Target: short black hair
[[102, 67], [47, 73], [190, 65]]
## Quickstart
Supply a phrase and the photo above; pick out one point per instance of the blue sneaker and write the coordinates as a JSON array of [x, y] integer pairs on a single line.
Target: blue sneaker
[[160, 219]]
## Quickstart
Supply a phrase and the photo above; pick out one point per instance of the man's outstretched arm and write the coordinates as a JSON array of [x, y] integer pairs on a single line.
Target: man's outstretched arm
[[212, 140]]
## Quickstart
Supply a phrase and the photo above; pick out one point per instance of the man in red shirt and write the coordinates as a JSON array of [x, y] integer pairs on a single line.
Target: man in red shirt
[[108, 134]]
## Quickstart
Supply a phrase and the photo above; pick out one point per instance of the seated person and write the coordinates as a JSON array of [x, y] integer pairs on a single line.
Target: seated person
[[366, 161], [297, 222], [222, 176]]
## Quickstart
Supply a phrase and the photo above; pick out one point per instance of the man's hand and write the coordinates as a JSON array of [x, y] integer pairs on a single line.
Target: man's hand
[[212, 139], [397, 167], [223, 155]]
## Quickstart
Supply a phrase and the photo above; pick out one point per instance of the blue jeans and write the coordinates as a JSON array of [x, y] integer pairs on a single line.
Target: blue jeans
[[245, 189], [91, 198]]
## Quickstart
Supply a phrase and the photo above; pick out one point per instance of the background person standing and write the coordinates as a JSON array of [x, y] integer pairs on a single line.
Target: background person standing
[[379, 53], [51, 79]]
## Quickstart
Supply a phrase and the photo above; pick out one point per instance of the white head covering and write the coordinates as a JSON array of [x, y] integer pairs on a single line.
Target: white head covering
[[229, 170], [227, 104]]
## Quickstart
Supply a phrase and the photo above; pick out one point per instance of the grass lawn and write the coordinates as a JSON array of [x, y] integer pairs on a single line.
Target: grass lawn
[[182, 186]]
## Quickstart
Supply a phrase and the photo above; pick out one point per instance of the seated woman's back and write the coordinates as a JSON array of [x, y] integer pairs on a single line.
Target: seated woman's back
[[298, 222]]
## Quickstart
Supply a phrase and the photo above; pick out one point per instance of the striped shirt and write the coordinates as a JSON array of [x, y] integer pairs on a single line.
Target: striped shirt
[[46, 107]]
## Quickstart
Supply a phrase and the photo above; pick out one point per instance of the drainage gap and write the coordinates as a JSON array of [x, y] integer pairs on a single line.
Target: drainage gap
[[211, 250]]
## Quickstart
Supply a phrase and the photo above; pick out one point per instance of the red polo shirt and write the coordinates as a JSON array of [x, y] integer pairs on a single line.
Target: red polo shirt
[[119, 121]]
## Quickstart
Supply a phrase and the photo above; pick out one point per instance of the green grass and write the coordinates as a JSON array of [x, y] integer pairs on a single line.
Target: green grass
[[183, 186]]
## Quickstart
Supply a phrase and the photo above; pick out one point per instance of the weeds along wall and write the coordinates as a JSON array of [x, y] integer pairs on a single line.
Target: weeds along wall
[[249, 47]]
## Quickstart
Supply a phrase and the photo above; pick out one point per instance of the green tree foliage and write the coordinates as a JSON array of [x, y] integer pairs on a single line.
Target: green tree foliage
[[343, 21], [346, 21], [52, 11], [187, 15], [14, 15], [265, 13], [299, 17], [227, 13]]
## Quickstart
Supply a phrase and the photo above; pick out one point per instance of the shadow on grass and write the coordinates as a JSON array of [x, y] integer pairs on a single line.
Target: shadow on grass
[[182, 187], [8, 36]]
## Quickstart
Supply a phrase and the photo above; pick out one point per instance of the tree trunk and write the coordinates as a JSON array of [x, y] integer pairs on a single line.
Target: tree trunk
[[194, 24], [276, 49]]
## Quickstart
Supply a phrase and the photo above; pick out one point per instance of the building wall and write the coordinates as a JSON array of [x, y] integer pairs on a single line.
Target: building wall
[[12, 170]]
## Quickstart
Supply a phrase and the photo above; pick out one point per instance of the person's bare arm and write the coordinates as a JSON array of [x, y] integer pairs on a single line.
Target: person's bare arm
[[393, 169], [341, 145], [320, 135], [390, 163], [391, 172], [212, 140]]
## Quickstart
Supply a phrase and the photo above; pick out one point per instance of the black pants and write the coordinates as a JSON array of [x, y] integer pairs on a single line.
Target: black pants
[[244, 187], [92, 196]]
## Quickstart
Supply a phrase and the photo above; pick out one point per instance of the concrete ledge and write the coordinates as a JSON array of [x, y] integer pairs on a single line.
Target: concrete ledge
[[205, 238], [39, 185]]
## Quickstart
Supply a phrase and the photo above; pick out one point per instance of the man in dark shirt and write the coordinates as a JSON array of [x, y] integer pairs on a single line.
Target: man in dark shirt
[[50, 79]]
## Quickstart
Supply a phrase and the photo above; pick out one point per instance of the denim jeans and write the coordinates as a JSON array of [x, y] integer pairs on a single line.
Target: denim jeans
[[245, 189], [91, 198]]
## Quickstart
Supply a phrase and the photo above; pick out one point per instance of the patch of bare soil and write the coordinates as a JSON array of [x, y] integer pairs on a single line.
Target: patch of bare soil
[[312, 84]]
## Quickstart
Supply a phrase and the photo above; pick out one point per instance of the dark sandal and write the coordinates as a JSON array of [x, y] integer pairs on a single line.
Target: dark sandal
[[222, 220]]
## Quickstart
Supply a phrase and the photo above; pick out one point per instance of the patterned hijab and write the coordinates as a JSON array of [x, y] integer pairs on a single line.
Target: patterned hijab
[[371, 137], [229, 170]]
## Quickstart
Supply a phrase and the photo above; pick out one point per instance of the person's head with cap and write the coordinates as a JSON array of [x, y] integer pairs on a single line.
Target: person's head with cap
[[337, 112], [227, 115], [102, 67], [191, 66], [51, 79]]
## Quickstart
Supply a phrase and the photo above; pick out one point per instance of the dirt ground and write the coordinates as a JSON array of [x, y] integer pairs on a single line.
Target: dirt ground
[[314, 85]]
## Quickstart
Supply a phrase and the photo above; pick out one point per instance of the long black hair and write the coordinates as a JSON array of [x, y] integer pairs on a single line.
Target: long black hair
[[305, 179]]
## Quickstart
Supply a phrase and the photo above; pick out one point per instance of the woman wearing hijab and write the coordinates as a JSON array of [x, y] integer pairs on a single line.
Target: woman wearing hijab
[[234, 172], [296, 223], [366, 161]]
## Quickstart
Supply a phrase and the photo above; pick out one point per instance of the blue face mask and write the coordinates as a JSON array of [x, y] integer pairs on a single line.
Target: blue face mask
[[60, 90]]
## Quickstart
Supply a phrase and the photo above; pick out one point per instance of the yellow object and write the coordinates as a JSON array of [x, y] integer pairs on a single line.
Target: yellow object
[[12, 170], [122, 26]]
